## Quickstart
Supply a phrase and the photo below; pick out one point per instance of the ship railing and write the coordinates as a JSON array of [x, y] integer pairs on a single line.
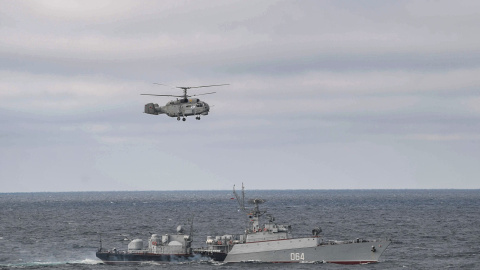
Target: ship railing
[[326, 243], [207, 250], [307, 236], [336, 242], [138, 251], [114, 251]]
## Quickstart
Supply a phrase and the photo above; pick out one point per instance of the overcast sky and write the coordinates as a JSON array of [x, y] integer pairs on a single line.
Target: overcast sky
[[322, 95]]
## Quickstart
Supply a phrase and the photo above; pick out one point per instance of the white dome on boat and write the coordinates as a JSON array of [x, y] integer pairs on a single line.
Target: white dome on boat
[[136, 244]]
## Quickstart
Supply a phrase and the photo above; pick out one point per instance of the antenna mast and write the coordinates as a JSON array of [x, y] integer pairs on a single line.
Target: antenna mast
[[191, 227], [241, 202]]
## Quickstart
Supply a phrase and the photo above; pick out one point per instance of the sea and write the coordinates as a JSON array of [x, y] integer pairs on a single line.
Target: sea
[[429, 229]]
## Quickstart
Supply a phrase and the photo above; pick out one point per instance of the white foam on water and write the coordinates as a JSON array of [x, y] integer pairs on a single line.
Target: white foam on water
[[87, 261], [31, 264]]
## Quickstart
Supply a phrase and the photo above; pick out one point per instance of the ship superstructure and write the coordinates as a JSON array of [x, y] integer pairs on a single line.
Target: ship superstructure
[[167, 247]]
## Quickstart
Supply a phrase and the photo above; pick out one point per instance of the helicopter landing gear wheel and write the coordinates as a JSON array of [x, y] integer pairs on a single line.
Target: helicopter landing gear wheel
[[178, 118], [184, 119], [198, 117]]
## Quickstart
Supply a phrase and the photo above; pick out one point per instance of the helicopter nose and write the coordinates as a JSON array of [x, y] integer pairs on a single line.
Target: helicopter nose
[[207, 107]]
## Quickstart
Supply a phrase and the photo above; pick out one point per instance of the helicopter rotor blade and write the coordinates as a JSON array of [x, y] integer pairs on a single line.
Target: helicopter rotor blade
[[189, 87], [160, 95], [185, 88]]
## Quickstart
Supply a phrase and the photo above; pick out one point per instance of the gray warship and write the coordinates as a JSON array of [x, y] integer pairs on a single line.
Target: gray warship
[[167, 248], [274, 243]]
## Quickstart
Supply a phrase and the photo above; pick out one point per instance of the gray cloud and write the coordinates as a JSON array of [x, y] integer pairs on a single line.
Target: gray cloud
[[370, 94]]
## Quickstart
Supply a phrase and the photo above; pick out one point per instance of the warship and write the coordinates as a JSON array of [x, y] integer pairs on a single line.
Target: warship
[[274, 243], [168, 248], [270, 242]]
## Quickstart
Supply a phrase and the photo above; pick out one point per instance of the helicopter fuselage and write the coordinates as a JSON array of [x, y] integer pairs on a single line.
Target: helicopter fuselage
[[179, 108]]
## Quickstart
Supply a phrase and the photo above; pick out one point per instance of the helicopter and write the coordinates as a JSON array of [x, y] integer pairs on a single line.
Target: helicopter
[[183, 107]]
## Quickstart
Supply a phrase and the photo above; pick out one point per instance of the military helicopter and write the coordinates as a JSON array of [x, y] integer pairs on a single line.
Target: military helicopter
[[183, 107]]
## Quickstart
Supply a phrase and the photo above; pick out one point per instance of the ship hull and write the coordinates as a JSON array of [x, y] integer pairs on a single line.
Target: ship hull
[[132, 258], [216, 256], [307, 250]]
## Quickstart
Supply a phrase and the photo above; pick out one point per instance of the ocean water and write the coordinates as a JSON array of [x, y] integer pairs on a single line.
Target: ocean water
[[430, 229]]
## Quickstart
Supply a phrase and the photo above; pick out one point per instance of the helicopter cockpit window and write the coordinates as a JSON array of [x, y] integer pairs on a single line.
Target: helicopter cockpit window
[[199, 105]]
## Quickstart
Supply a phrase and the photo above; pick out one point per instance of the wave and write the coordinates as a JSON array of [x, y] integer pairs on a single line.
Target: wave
[[47, 264]]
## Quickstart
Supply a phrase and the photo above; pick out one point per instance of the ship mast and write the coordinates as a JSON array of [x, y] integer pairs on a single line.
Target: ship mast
[[241, 204], [254, 215]]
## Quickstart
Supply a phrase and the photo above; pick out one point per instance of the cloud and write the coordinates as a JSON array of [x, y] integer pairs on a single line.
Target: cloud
[[237, 32], [378, 86], [54, 94], [444, 137]]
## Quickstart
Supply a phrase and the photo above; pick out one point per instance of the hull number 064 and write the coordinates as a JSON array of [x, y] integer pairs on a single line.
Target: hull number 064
[[297, 256]]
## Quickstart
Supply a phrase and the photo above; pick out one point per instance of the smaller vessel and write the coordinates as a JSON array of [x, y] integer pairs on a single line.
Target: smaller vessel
[[167, 247]]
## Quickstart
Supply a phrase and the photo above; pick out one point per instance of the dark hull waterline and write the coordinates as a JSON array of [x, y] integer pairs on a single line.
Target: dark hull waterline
[[119, 258]]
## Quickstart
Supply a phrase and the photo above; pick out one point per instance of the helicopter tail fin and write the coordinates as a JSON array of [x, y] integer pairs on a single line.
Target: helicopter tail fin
[[151, 108]]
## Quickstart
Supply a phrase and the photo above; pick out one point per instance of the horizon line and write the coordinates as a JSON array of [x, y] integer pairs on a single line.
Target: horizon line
[[192, 190]]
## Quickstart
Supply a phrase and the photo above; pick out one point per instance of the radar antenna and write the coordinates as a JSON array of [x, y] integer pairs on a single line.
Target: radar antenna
[[256, 211]]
